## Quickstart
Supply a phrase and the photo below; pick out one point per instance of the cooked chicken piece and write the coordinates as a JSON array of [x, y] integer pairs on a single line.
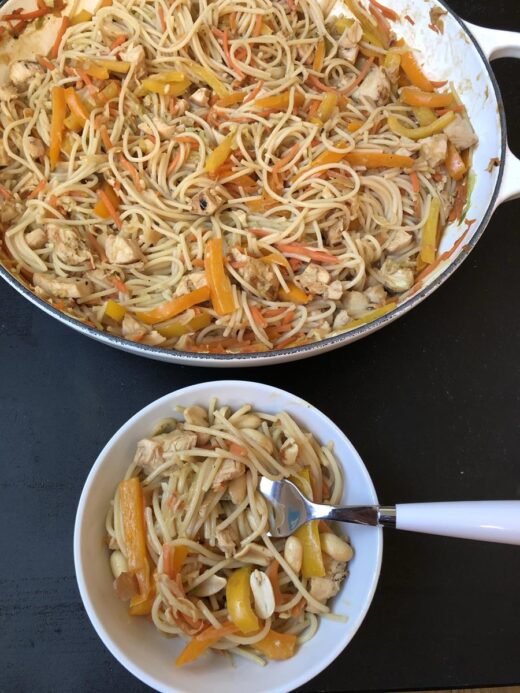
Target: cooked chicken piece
[[137, 57], [22, 71], [200, 97], [121, 250], [289, 451], [257, 273], [35, 147], [341, 320], [460, 133], [313, 279], [395, 277], [348, 45], [153, 338], [333, 233], [334, 291], [375, 294], [399, 241], [434, 149], [356, 303], [132, 328], [375, 86], [177, 440], [99, 278], [150, 236], [227, 539], [4, 159], [152, 452], [324, 588], [229, 469], [8, 92], [148, 455], [208, 201], [181, 106], [8, 212], [36, 238], [349, 54], [166, 131], [61, 287], [190, 282], [68, 244]]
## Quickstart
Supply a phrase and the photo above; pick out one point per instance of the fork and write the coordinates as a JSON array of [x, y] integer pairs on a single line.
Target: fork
[[497, 521]]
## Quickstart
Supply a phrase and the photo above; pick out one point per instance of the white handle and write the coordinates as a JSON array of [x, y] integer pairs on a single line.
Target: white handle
[[501, 44], [497, 521]]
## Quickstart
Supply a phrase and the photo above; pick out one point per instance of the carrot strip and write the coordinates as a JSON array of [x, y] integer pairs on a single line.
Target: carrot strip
[[201, 642], [27, 16], [319, 56], [107, 142], [386, 11], [317, 84], [258, 317], [162, 19], [65, 23], [46, 64], [272, 574], [257, 29], [318, 255], [132, 171], [119, 284], [409, 19], [253, 94], [227, 53], [5, 192], [236, 449], [118, 41], [37, 190], [414, 178], [57, 124], [104, 198]]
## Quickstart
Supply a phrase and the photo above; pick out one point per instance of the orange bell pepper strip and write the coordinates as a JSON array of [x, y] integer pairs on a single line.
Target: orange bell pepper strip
[[416, 97], [201, 642], [317, 63], [368, 159], [238, 601], [173, 559], [174, 307], [231, 99], [294, 295], [140, 606], [132, 513], [454, 163], [279, 102], [180, 327], [411, 69], [95, 70], [218, 280], [308, 534], [108, 204], [77, 106], [277, 645], [57, 124]]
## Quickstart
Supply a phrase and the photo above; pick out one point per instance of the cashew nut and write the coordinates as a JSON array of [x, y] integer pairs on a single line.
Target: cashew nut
[[197, 416], [254, 553], [248, 421], [118, 563], [335, 547], [262, 593], [293, 553], [237, 489], [259, 438]]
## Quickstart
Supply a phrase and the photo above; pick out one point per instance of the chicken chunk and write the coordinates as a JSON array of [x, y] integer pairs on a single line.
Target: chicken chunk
[[35, 147], [208, 201], [132, 329], [434, 149], [8, 212], [166, 131], [395, 277], [257, 273], [227, 540], [375, 294], [324, 588], [121, 250], [36, 238], [399, 241], [61, 287], [355, 303], [137, 57], [460, 133], [8, 92], [23, 71], [375, 86], [152, 452], [178, 440], [333, 234], [149, 455], [190, 282], [313, 279], [68, 244], [334, 291], [200, 97], [341, 319], [348, 45], [229, 469]]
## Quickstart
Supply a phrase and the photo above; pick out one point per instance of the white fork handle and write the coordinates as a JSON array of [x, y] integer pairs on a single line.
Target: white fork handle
[[501, 44], [497, 521]]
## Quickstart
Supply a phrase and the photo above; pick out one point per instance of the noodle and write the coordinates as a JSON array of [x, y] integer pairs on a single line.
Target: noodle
[[269, 125], [217, 517]]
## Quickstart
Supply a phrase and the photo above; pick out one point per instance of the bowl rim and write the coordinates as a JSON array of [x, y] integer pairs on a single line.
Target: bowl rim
[[79, 528]]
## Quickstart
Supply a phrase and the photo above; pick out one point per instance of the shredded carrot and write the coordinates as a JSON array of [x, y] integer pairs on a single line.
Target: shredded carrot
[[417, 206], [118, 41], [46, 64], [162, 19], [317, 64], [27, 16], [53, 201], [297, 610], [361, 76], [409, 19], [414, 178], [315, 104], [65, 22], [317, 84], [37, 190], [274, 312], [438, 85], [460, 200], [447, 254], [277, 184], [233, 21], [110, 207], [132, 171], [460, 108], [227, 54], [272, 574], [174, 162], [288, 317], [258, 317], [119, 284], [290, 341], [236, 449], [314, 254], [386, 11], [434, 28], [253, 94], [258, 25], [295, 263], [186, 139], [107, 142], [5, 192]]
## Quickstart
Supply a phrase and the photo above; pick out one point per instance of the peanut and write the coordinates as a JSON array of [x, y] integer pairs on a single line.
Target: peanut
[[293, 553]]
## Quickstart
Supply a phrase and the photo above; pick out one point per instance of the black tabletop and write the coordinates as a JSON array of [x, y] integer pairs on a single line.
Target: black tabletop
[[431, 403]]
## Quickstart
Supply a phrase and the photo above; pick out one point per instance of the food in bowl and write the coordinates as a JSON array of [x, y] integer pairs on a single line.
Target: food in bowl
[[187, 531], [226, 179]]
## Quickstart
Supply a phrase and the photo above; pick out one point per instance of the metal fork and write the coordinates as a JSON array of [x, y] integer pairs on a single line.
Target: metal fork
[[497, 521]]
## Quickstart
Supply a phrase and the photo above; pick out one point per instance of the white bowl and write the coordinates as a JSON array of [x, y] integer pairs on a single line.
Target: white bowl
[[135, 642]]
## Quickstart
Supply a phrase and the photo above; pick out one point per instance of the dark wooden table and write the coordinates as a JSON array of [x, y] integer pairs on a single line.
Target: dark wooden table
[[431, 403]]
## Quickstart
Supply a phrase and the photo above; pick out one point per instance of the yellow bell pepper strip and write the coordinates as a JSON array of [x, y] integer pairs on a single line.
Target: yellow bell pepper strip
[[101, 208], [72, 123], [159, 86], [201, 642], [277, 645], [308, 534], [208, 76], [218, 280], [327, 106], [80, 18], [354, 125], [169, 76], [94, 70], [114, 310], [57, 124], [231, 99], [294, 295], [369, 317], [279, 102], [370, 159], [419, 133], [220, 154], [317, 63], [140, 606], [392, 63], [275, 259], [416, 97], [454, 163], [174, 307], [111, 91], [429, 235], [120, 67], [238, 601], [77, 106], [173, 559], [369, 29], [132, 514], [425, 116], [411, 69], [180, 327], [342, 23]]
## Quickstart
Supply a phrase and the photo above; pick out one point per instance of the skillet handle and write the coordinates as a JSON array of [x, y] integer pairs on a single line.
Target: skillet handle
[[501, 44]]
